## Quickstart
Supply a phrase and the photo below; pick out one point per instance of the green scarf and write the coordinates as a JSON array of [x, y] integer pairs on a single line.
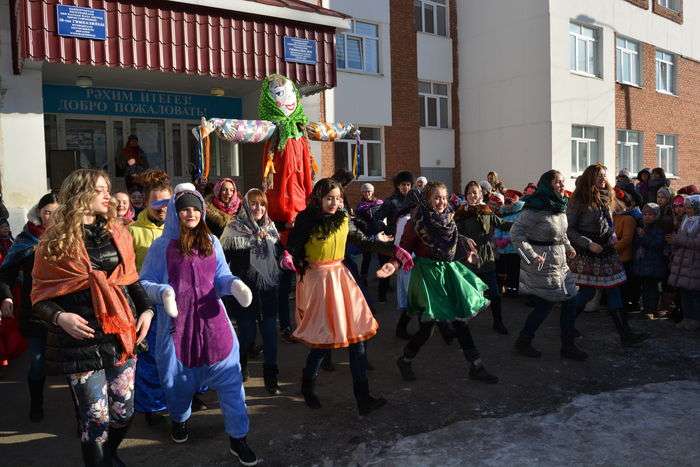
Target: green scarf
[[288, 127], [545, 198]]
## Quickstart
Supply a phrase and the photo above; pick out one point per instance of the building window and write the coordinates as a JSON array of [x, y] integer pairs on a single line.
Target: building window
[[431, 16], [584, 147], [358, 49], [629, 150], [627, 61], [583, 49], [670, 4], [434, 102], [665, 69], [371, 161], [666, 153]]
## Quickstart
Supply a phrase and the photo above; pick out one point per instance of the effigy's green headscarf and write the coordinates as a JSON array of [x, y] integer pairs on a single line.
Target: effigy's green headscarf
[[288, 127]]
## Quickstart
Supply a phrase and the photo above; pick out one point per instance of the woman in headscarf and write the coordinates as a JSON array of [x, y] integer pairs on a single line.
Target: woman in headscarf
[[223, 205], [539, 235], [252, 249], [685, 264], [441, 287]]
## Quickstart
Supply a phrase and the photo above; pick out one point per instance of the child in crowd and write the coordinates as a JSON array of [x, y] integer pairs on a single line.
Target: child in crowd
[[508, 262], [124, 210], [650, 262], [365, 212], [625, 229]]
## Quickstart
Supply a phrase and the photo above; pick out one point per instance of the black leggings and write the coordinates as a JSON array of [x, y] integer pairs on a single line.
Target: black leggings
[[461, 332]]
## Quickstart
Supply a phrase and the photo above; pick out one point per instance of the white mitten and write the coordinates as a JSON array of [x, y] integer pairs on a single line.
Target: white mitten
[[242, 293], [169, 304]]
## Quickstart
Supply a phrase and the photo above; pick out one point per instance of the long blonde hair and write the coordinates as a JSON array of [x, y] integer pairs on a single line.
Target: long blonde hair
[[65, 236]]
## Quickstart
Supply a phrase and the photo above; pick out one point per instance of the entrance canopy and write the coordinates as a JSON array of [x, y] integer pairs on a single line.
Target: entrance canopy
[[188, 37]]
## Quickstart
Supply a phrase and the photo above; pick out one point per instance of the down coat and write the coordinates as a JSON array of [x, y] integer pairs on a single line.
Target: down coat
[[554, 282], [685, 260]]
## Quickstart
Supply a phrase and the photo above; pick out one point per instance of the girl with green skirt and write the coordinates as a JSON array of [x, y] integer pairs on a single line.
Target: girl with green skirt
[[441, 287]]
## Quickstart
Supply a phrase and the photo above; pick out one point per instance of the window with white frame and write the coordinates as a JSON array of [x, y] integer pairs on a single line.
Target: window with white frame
[[583, 49], [665, 72], [371, 160], [629, 150], [584, 147], [431, 16], [627, 61], [670, 4], [434, 102], [667, 153], [358, 49]]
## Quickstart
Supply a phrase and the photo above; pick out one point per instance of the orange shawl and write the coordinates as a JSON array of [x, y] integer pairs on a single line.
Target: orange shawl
[[111, 306]]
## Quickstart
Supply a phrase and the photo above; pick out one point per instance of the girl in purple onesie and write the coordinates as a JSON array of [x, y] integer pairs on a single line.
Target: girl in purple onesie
[[186, 274]]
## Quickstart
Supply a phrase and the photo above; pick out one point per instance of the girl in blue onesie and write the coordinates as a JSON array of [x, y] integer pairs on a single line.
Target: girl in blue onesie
[[185, 274]]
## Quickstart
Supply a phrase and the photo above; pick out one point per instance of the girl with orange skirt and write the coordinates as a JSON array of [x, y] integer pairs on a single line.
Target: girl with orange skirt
[[331, 311]]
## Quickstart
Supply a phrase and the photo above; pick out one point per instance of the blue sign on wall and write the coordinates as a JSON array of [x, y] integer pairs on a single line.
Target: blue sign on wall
[[138, 103], [86, 23], [300, 50]]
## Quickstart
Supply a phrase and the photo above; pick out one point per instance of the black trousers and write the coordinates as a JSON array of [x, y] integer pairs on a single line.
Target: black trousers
[[461, 332]]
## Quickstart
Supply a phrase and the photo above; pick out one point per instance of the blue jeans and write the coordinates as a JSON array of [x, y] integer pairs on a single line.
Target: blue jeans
[[262, 312], [36, 347], [567, 319], [614, 296], [690, 302], [358, 362]]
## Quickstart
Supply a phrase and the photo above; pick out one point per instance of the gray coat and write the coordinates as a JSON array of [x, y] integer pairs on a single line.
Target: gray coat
[[554, 282], [685, 261], [585, 223]]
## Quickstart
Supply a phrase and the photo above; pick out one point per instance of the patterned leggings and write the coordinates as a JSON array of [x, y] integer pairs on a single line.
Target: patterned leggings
[[103, 398]]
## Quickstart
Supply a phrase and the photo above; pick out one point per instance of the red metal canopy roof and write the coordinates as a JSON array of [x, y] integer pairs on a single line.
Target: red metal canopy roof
[[176, 37]]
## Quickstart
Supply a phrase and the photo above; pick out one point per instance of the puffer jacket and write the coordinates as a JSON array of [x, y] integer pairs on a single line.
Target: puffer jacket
[[649, 258], [144, 232], [685, 260], [539, 233], [501, 237], [588, 225], [65, 354]]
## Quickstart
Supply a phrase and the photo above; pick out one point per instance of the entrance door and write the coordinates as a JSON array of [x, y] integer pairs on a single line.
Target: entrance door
[[151, 135], [90, 138]]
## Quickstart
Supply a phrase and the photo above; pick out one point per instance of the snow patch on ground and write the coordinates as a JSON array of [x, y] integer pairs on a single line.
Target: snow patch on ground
[[651, 425]]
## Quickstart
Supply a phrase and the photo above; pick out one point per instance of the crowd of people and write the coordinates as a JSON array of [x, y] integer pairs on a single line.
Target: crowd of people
[[148, 298]]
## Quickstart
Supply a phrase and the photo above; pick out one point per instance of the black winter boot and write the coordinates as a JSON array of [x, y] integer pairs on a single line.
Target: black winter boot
[[270, 378], [115, 437], [627, 336], [524, 347], [95, 454], [402, 326], [570, 350], [307, 390], [498, 325], [36, 399], [478, 372], [365, 402], [404, 365]]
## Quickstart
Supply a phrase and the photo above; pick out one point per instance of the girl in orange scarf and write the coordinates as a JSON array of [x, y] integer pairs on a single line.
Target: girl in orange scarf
[[86, 288]]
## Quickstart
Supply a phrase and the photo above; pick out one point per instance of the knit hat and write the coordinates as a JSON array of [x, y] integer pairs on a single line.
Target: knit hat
[[422, 179], [653, 208], [485, 186], [188, 200], [664, 191], [402, 177], [367, 187], [624, 173], [679, 200]]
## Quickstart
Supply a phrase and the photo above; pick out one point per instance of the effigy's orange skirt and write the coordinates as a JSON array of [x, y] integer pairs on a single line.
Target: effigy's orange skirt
[[331, 311]]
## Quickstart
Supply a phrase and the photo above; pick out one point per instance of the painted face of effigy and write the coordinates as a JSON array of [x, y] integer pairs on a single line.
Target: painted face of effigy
[[284, 95]]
